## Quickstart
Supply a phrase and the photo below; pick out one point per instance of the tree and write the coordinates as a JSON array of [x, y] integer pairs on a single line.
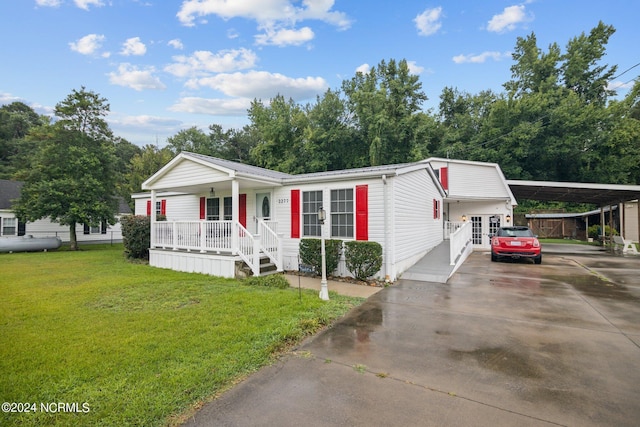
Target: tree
[[148, 161], [71, 178], [384, 103], [16, 119], [279, 129]]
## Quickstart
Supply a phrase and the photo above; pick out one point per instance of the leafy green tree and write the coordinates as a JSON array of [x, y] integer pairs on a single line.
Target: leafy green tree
[[193, 140], [279, 129], [16, 119], [72, 178], [148, 161], [384, 103]]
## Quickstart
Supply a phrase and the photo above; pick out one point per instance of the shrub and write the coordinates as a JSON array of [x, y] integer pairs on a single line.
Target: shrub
[[271, 281], [311, 254], [364, 259], [136, 236], [596, 230]]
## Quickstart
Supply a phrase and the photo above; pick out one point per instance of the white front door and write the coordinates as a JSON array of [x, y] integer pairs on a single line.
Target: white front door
[[263, 206]]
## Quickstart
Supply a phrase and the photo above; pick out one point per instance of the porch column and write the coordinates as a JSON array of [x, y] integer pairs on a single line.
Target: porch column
[[235, 214], [153, 219]]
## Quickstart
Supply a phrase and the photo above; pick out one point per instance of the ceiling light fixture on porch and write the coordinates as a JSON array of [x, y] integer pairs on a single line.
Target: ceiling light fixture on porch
[[508, 218], [212, 192]]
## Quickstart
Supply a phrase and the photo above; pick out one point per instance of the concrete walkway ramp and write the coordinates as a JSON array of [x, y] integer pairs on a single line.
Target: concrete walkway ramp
[[433, 267]]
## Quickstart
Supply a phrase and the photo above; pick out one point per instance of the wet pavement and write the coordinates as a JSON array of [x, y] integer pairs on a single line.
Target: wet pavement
[[501, 344]]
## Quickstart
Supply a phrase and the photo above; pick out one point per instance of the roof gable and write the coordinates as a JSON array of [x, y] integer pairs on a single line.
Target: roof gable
[[9, 190]]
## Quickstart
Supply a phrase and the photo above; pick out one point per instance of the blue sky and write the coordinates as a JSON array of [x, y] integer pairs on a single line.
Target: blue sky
[[168, 65]]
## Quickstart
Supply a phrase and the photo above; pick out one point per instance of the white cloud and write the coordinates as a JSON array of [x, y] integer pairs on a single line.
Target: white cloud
[[478, 59], [138, 79], [364, 68], [263, 11], [215, 106], [414, 68], [84, 4], [176, 44], [142, 121], [88, 45], [133, 46], [203, 61], [285, 37], [508, 19], [263, 85], [428, 22], [48, 3]]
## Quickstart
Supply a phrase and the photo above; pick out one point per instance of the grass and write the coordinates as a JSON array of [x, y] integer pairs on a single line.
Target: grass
[[568, 241], [135, 344]]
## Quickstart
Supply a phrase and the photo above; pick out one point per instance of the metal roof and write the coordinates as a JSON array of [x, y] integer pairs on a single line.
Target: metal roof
[[9, 190], [576, 192]]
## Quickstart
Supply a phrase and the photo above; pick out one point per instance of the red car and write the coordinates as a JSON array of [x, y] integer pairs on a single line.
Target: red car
[[515, 242]]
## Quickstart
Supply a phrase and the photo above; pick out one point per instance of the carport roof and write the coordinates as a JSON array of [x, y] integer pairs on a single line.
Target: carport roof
[[577, 192]]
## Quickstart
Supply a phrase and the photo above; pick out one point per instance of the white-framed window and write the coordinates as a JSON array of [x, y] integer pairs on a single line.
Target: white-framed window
[[311, 203], [342, 213], [213, 209], [96, 229], [9, 226], [228, 209]]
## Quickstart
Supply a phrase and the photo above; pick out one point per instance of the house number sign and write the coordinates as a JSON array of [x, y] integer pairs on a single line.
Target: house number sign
[[283, 201]]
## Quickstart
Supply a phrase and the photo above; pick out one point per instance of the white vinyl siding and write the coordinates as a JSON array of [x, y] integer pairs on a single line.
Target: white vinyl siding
[[415, 229], [188, 172]]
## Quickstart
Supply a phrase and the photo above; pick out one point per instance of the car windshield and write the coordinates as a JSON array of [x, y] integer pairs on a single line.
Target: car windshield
[[515, 232]]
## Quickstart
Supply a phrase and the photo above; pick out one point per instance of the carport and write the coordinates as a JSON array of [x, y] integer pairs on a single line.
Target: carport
[[602, 195]]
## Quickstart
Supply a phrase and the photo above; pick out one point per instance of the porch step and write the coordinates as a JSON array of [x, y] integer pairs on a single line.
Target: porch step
[[266, 267]]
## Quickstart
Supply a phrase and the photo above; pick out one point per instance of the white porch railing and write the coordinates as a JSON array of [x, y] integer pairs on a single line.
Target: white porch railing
[[460, 241], [451, 227], [271, 242], [219, 236]]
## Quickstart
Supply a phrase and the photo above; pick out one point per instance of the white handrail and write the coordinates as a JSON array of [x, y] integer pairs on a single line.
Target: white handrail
[[248, 248], [459, 240], [194, 235], [270, 243]]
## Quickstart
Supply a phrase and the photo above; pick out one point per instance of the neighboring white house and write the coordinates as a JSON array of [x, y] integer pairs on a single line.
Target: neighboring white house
[[477, 192], [220, 212], [10, 226]]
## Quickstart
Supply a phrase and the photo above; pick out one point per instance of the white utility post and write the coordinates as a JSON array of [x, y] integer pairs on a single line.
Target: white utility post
[[324, 289]]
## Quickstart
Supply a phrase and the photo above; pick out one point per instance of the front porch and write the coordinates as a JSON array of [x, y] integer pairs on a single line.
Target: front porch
[[216, 247]]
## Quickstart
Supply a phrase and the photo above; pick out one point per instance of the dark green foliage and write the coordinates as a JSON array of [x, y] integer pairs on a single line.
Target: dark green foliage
[[364, 259], [136, 236], [270, 281], [595, 231], [310, 254]]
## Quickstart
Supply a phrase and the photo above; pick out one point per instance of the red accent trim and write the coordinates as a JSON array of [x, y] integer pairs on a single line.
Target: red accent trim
[[203, 207], [163, 207], [148, 207], [295, 214], [362, 212], [444, 178], [243, 210]]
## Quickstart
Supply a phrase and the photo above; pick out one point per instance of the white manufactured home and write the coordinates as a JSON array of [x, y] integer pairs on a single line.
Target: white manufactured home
[[10, 226], [219, 214]]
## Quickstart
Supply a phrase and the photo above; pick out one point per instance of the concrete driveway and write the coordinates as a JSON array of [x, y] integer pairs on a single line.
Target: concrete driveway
[[502, 344]]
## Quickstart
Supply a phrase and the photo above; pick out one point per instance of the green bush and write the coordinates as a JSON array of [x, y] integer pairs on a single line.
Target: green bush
[[596, 230], [364, 259], [271, 281], [310, 254], [136, 236]]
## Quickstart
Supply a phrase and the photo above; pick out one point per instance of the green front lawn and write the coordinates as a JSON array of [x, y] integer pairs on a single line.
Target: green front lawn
[[127, 344]]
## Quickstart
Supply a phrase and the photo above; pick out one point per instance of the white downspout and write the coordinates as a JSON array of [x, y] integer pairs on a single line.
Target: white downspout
[[235, 214], [152, 235], [387, 243]]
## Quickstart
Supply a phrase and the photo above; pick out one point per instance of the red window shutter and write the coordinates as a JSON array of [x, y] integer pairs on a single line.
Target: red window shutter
[[148, 207], [295, 214], [243, 210], [203, 207], [163, 207], [362, 212], [444, 178], [435, 209]]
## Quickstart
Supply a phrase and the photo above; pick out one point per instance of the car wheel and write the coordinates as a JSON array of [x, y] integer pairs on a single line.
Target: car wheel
[[494, 258], [538, 259]]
